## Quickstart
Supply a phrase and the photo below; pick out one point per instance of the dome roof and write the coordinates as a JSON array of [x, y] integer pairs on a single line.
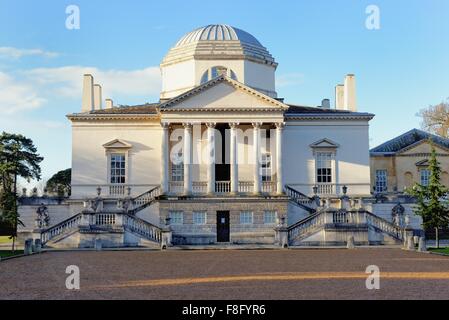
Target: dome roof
[[219, 41], [218, 32]]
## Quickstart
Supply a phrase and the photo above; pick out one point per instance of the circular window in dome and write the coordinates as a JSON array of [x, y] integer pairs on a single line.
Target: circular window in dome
[[217, 71]]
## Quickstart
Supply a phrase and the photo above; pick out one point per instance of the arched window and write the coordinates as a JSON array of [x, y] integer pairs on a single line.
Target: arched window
[[408, 179], [217, 71]]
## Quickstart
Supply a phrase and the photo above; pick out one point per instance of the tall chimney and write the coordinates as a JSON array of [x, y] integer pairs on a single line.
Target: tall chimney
[[88, 93], [109, 104], [350, 95], [97, 97], [339, 96]]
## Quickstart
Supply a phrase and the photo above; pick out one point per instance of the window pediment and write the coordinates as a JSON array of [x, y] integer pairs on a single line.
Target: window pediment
[[422, 163], [117, 144], [324, 144]]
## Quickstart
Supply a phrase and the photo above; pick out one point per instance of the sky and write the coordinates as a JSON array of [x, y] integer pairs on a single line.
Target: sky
[[400, 68]]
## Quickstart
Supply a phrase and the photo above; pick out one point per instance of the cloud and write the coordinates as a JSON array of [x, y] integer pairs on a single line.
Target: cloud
[[16, 96], [32, 89], [15, 53], [289, 79], [67, 81]]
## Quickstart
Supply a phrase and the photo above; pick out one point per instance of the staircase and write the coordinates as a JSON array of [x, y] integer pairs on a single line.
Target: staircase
[[333, 227], [144, 200], [301, 199], [113, 222]]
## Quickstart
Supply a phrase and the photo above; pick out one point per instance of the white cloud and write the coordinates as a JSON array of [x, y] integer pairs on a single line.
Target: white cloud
[[31, 89], [17, 96], [289, 79], [16, 53], [67, 81]]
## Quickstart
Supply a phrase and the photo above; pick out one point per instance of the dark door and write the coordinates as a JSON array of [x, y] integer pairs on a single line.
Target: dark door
[[222, 167], [222, 226]]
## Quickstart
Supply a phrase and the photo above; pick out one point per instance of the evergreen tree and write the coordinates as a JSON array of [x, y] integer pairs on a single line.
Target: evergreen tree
[[432, 203], [18, 158]]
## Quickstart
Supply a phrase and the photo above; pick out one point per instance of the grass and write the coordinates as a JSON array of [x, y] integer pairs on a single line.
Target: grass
[[5, 239], [440, 250], [9, 253]]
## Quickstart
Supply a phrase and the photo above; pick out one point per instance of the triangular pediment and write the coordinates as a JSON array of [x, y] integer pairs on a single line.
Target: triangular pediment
[[117, 144], [422, 163], [223, 94], [422, 147], [324, 143]]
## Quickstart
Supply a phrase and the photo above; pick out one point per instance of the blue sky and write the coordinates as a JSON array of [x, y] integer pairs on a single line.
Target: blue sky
[[400, 68]]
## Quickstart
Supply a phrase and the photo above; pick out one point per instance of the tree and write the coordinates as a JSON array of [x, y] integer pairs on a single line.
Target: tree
[[60, 182], [18, 158], [432, 204], [436, 119]]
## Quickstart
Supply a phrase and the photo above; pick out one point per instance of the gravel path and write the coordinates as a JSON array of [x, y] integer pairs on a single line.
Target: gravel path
[[227, 274]]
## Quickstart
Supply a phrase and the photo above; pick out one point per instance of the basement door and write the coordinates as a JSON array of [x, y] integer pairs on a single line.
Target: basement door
[[223, 229]]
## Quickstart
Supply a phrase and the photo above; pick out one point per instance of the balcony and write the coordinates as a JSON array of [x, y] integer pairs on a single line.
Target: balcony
[[222, 187]]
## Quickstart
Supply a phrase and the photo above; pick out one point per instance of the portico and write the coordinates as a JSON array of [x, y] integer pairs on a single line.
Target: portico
[[242, 151]]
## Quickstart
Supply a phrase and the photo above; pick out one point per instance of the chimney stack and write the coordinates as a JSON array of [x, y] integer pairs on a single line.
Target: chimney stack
[[88, 93], [97, 97], [350, 95], [109, 104], [339, 96], [325, 104]]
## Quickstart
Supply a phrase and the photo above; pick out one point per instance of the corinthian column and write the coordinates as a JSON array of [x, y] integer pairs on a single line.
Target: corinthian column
[[210, 158], [187, 154], [256, 155], [165, 157], [234, 157], [279, 175]]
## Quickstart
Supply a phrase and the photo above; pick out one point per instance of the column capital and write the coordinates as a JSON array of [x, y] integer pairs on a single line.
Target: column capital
[[165, 125], [280, 125], [211, 125], [187, 125], [257, 125], [233, 125]]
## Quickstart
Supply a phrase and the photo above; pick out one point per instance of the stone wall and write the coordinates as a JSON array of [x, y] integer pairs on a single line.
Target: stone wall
[[257, 232]]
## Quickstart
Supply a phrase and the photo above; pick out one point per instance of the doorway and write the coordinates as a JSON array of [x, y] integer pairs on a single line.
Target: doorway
[[222, 166], [223, 226]]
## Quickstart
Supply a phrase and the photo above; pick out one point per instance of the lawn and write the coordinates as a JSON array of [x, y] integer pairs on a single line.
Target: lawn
[[440, 250], [9, 253]]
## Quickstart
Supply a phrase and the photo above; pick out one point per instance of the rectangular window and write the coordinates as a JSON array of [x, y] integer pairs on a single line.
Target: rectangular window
[[177, 168], [246, 217], [199, 217], [425, 176], [118, 168], [381, 180], [266, 167], [270, 217], [324, 167], [176, 217]]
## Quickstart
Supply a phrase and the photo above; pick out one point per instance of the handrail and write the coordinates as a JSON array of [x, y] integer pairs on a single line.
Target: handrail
[[144, 200], [307, 225], [384, 225], [142, 227], [60, 228], [300, 199]]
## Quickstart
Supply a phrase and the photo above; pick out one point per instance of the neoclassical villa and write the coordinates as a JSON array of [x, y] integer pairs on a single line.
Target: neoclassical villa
[[220, 158]]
